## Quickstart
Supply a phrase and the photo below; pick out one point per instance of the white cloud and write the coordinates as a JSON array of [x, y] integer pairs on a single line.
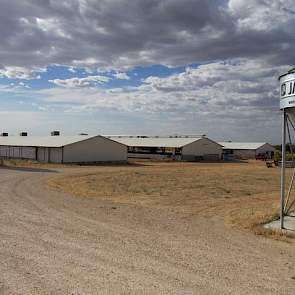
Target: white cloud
[[52, 26], [233, 87], [262, 15], [121, 76], [20, 73], [72, 69], [13, 88], [76, 82], [237, 98]]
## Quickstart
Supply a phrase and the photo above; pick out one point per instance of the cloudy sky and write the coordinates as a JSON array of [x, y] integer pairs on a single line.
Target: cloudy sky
[[145, 66]]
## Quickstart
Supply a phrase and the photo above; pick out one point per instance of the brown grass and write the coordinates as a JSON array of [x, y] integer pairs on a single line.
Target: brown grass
[[29, 163], [246, 195]]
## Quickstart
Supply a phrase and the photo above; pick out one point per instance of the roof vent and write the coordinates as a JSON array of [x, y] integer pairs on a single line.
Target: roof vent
[[4, 134], [55, 133], [23, 134]]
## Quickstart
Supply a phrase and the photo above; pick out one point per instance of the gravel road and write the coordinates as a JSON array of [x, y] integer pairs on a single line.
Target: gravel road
[[52, 243]]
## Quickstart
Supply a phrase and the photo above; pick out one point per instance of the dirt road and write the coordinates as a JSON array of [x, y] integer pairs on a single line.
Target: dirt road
[[52, 243]]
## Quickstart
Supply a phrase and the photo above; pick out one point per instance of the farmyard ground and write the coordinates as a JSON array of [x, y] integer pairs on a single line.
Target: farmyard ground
[[146, 228]]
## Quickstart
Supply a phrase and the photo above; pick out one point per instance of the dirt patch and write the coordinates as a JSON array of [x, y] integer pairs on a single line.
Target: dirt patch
[[52, 243]]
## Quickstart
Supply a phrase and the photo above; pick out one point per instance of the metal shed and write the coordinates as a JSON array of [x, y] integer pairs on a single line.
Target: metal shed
[[191, 148], [247, 150], [63, 149]]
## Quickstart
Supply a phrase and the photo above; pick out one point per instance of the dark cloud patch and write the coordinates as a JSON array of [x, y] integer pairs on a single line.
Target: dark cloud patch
[[113, 33]]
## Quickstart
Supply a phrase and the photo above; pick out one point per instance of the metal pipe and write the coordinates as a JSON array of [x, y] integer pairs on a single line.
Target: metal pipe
[[286, 209], [282, 213], [289, 135]]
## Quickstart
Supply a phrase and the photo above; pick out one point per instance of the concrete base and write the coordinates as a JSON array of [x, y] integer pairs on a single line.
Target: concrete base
[[289, 223]]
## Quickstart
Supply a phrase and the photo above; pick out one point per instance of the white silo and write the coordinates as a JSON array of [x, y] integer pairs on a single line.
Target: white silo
[[287, 105], [287, 93]]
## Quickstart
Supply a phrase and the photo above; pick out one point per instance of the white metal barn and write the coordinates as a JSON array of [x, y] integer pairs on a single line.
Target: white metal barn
[[63, 149], [247, 150], [178, 147]]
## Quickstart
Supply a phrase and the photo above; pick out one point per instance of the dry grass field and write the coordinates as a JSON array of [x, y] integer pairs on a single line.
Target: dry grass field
[[245, 194]]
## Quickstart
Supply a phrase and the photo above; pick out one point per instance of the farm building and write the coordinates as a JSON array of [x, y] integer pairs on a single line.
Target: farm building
[[247, 150], [190, 148], [63, 149]]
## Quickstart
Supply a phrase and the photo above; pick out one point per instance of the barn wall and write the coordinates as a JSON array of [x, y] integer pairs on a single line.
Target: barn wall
[[49, 154], [204, 148], [55, 155], [4, 151], [152, 156], [244, 154], [251, 154], [265, 148], [15, 152], [43, 154], [96, 149], [28, 153], [18, 152]]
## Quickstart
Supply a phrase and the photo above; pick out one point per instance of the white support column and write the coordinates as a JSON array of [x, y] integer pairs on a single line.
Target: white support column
[[283, 166]]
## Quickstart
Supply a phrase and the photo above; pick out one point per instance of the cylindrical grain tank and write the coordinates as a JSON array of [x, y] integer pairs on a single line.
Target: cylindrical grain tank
[[287, 105], [287, 93]]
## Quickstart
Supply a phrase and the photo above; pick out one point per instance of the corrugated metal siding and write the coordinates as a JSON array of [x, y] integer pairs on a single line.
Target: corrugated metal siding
[[55, 155], [265, 148], [251, 153], [152, 156], [97, 149], [43, 154], [4, 151], [93, 149], [28, 153], [201, 148], [244, 154], [18, 152], [15, 152]]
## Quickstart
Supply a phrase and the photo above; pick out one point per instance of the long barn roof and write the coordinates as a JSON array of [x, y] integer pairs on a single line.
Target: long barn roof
[[43, 141], [172, 142], [242, 145]]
